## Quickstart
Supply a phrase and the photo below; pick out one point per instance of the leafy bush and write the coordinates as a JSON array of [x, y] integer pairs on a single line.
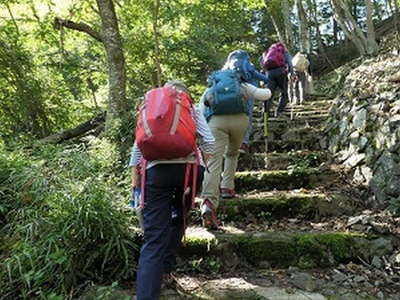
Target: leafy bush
[[63, 222]]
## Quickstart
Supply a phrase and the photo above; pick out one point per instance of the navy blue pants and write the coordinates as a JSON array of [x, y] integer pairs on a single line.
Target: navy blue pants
[[277, 78], [163, 227]]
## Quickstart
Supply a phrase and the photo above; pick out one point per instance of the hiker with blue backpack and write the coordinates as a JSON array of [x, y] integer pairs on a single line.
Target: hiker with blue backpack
[[166, 165], [239, 60], [225, 105], [277, 65]]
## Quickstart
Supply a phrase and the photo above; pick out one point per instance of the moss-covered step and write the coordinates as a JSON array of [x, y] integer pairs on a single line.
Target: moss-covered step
[[311, 111], [278, 145], [283, 249], [282, 180], [278, 205], [300, 119], [281, 161], [279, 128]]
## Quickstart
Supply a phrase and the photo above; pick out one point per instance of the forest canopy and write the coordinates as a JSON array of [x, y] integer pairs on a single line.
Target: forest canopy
[[54, 64]]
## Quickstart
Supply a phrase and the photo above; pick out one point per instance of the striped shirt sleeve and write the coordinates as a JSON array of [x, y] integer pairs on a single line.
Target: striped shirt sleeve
[[136, 156], [206, 139]]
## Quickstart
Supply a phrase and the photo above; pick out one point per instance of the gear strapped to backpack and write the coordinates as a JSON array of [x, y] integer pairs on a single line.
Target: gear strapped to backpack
[[300, 62], [274, 57], [224, 94], [166, 128], [239, 60]]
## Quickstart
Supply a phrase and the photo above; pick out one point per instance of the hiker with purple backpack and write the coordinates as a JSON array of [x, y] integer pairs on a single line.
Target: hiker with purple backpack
[[277, 64]]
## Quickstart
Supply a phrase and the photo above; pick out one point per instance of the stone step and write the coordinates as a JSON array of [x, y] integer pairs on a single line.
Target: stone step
[[282, 180], [280, 161], [282, 249], [298, 112], [299, 109], [323, 104], [306, 204], [304, 118], [285, 131], [240, 287], [262, 283], [285, 124], [286, 146]]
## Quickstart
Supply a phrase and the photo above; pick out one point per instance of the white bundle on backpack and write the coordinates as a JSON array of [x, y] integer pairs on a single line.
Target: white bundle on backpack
[[300, 62]]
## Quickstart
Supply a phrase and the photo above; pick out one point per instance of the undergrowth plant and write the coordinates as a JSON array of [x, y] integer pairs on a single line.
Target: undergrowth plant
[[63, 222]]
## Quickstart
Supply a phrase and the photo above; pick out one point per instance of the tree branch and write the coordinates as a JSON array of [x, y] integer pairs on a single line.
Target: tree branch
[[58, 23], [74, 132]]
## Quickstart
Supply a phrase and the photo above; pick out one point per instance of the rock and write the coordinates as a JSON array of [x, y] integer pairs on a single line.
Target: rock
[[376, 262], [354, 159], [359, 279], [303, 281], [367, 173], [339, 277], [358, 177], [394, 122], [360, 119], [354, 220], [381, 246], [228, 256], [380, 295]]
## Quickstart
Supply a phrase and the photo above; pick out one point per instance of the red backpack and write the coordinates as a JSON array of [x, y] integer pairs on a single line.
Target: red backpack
[[274, 57], [165, 127]]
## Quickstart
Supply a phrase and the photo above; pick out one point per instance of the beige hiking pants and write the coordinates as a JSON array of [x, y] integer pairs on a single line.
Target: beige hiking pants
[[228, 131]]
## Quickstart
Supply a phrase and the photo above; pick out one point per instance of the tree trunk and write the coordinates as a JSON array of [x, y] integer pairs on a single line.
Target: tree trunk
[[117, 104], [156, 10], [288, 26], [12, 18], [396, 21], [279, 33], [349, 26], [303, 25], [335, 31], [372, 46], [354, 9], [75, 132]]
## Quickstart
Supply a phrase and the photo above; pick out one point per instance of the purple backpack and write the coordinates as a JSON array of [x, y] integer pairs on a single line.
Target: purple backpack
[[274, 57]]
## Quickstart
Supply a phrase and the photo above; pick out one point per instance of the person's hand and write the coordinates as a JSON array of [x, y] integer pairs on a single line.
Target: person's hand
[[135, 180]]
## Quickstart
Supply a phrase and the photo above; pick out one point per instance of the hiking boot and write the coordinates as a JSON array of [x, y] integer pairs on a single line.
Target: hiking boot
[[244, 148], [209, 215], [227, 193]]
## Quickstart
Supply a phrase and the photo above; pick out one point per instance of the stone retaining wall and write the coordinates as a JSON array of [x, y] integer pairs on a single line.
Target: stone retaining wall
[[363, 130]]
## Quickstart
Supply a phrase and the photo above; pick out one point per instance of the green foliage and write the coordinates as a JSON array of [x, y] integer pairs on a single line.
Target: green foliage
[[21, 96], [303, 164], [65, 223]]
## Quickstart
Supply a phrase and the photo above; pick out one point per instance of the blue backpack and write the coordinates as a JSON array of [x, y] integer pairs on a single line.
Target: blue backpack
[[224, 93]]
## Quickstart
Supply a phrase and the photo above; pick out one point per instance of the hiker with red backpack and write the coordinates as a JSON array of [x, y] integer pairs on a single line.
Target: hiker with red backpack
[[226, 109], [277, 63], [168, 132]]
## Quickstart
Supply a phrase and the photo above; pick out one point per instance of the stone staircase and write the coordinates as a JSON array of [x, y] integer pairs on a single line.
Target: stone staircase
[[288, 219], [290, 233]]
